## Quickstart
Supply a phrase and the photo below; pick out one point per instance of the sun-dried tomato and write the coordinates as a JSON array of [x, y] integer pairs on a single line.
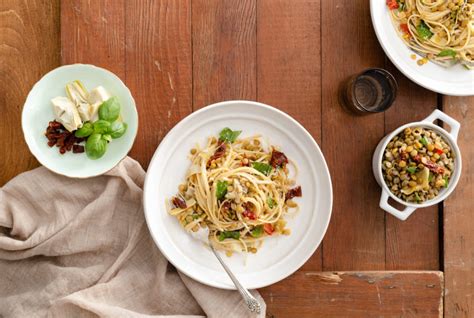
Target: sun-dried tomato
[[295, 192], [278, 159]]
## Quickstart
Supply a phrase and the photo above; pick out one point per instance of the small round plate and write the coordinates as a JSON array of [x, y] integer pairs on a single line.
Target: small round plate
[[38, 112], [455, 80], [279, 256]]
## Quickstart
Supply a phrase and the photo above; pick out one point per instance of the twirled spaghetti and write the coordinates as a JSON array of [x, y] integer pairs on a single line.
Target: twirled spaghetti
[[238, 189], [440, 30]]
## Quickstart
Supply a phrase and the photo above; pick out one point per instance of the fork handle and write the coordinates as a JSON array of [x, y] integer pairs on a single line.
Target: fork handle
[[252, 303]]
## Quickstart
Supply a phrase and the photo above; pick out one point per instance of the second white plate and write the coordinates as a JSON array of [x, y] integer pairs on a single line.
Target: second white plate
[[279, 256], [454, 80]]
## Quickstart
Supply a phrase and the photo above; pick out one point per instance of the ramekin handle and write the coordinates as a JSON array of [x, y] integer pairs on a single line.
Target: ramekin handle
[[453, 123], [402, 215]]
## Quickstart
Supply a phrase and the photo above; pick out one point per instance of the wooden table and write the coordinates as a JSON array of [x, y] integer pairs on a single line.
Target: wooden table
[[178, 55]]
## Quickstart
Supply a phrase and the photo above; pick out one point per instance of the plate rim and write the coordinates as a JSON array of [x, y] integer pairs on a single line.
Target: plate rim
[[325, 169], [28, 141], [449, 90]]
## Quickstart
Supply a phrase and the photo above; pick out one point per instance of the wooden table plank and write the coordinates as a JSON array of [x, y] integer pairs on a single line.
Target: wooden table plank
[[459, 218], [29, 48], [356, 294], [224, 51], [412, 244], [93, 32], [289, 66], [356, 235], [158, 68]]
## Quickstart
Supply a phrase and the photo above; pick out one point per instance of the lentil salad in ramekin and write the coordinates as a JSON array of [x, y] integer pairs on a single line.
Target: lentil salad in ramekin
[[417, 187], [417, 164]]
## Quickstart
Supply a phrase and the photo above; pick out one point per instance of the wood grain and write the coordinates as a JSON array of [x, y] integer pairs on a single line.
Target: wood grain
[[29, 48], [224, 51], [356, 236], [356, 294], [93, 32], [459, 218], [289, 66], [412, 244], [158, 68]]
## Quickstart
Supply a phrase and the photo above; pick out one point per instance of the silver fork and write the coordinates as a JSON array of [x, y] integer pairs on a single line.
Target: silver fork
[[252, 303]]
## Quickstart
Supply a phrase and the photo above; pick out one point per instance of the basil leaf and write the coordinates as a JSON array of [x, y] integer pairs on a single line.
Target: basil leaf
[[117, 129], [221, 189], [228, 135], [424, 31], [229, 234], [447, 52], [101, 126], [257, 231], [270, 202], [262, 167], [96, 146], [411, 169], [85, 131], [423, 141], [107, 137], [110, 109]]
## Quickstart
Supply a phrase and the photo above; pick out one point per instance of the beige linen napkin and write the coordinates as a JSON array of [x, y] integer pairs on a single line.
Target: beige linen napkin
[[81, 248]]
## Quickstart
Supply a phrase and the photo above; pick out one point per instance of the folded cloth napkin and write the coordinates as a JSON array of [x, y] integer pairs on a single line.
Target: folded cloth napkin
[[81, 248]]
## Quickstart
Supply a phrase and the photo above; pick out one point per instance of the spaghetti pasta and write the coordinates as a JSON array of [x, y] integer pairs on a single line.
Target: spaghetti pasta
[[440, 30], [238, 189]]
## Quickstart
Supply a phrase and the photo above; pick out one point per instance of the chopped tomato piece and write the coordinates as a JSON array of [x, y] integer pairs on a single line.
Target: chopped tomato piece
[[392, 4], [404, 28], [249, 214], [268, 228], [439, 151]]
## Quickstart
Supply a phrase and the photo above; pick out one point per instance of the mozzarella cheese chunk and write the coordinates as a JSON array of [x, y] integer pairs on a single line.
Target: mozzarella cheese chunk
[[96, 97], [66, 113]]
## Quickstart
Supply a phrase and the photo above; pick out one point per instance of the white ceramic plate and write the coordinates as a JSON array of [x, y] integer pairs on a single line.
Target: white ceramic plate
[[37, 113], [455, 80], [279, 256]]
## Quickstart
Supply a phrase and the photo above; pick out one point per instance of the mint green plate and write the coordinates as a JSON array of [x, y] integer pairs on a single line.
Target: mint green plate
[[37, 113]]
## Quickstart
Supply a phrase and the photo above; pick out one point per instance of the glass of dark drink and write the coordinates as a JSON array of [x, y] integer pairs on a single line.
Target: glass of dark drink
[[371, 91]]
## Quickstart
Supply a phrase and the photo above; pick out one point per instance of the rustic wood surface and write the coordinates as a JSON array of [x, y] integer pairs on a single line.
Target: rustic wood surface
[[178, 56], [459, 218], [29, 47], [357, 294]]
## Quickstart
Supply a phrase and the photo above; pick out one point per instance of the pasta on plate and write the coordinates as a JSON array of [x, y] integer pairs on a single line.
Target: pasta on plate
[[440, 30], [239, 189]]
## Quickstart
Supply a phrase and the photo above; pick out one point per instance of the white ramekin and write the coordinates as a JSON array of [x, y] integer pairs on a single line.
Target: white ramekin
[[450, 137]]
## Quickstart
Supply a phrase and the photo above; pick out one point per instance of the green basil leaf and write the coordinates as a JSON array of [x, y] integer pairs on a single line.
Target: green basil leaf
[[262, 167], [270, 202], [221, 189], [107, 137], [424, 31], [447, 52], [101, 126], [228, 135], [423, 141], [117, 129], [446, 182], [229, 234], [96, 146], [257, 231], [85, 131], [110, 109], [411, 169]]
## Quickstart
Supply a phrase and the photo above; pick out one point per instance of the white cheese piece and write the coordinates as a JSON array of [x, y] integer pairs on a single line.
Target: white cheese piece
[[66, 113], [96, 97]]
